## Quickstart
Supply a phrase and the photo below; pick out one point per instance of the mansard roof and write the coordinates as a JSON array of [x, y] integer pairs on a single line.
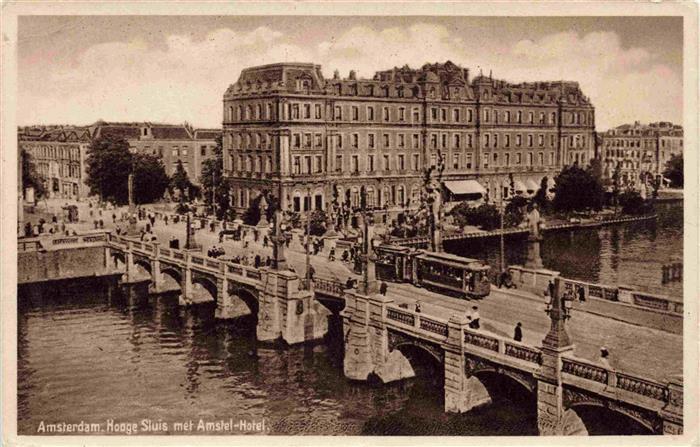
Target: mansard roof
[[206, 134]]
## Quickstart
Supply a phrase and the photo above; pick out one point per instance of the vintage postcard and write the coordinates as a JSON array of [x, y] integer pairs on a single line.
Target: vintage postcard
[[449, 222]]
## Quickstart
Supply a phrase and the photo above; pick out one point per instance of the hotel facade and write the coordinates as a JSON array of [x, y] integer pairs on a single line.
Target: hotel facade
[[289, 131]]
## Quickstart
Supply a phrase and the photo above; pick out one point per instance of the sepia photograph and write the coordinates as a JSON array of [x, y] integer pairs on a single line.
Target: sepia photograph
[[349, 223]]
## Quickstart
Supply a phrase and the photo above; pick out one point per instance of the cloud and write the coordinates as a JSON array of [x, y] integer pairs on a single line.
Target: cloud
[[184, 79]]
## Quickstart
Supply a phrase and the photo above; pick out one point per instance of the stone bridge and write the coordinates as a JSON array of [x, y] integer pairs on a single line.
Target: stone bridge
[[382, 339]]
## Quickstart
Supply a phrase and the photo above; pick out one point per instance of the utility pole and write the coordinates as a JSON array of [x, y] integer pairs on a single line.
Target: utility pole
[[502, 242], [308, 239]]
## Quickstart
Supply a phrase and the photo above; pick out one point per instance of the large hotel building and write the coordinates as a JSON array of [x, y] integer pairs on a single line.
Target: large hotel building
[[290, 131]]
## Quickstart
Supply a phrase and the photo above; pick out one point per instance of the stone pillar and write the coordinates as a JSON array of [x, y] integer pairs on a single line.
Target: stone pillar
[[184, 298], [157, 277], [287, 312], [462, 393], [107, 257], [672, 413], [366, 340], [130, 266]]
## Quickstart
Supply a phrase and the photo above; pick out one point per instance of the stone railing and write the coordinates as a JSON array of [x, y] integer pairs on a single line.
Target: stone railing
[[433, 325], [328, 287], [523, 352], [402, 316], [481, 340], [616, 380], [57, 242]]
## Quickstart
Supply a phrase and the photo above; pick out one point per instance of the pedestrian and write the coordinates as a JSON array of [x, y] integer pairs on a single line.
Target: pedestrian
[[344, 256], [153, 220], [474, 324], [312, 272], [165, 219], [53, 219], [148, 227], [605, 357], [348, 283], [95, 223], [383, 288], [257, 261], [114, 217], [265, 241], [581, 293], [28, 230], [331, 254], [419, 306], [518, 335], [550, 287], [212, 226]]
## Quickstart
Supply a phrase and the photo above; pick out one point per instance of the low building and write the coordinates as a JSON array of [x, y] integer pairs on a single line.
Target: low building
[[59, 155], [638, 149]]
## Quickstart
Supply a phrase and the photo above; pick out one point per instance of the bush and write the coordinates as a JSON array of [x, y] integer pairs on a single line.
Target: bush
[[485, 216], [632, 203], [515, 211]]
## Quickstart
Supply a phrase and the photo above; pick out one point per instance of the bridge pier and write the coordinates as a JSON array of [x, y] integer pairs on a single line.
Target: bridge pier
[[366, 340], [286, 312], [462, 392], [184, 299], [672, 413], [228, 305]]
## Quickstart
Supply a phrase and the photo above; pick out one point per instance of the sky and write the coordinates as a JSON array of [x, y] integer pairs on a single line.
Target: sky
[[78, 69]]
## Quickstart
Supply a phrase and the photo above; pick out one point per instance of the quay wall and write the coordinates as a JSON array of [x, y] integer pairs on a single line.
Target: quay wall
[[75, 262]]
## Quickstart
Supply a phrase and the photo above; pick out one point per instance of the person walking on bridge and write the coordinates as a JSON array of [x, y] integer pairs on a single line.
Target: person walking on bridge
[[605, 358], [518, 335], [474, 318]]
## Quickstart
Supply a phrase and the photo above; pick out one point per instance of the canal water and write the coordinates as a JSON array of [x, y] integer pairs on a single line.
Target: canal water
[[630, 253]]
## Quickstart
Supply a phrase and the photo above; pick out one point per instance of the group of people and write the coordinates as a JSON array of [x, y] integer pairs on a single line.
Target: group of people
[[216, 251]]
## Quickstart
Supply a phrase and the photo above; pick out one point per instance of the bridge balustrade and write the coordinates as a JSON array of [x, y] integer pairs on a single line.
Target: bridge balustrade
[[482, 341], [523, 352]]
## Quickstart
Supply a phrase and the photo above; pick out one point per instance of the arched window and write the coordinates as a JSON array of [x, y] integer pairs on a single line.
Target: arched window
[[400, 195], [230, 113], [241, 117], [260, 112]]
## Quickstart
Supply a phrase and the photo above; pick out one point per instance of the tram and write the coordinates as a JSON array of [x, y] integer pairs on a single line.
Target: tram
[[444, 272]]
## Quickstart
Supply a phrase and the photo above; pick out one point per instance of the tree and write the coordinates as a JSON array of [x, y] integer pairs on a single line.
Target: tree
[[318, 222], [30, 177], [633, 203], [108, 163], [181, 181], [577, 190], [595, 169], [515, 211], [674, 170], [485, 216], [150, 179], [616, 185], [541, 195], [213, 182]]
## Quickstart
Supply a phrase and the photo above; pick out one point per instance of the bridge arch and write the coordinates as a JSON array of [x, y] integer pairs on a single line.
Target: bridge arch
[[118, 261], [207, 284], [599, 418], [171, 277], [248, 298], [143, 267]]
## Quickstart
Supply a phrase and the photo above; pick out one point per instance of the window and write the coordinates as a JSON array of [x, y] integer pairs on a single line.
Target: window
[[401, 162], [355, 139], [433, 160], [469, 161], [176, 152], [469, 140], [416, 141], [444, 140], [455, 161], [531, 117], [338, 163], [402, 140], [518, 140], [540, 158], [297, 164], [433, 141], [203, 151], [416, 115], [370, 163], [355, 166], [540, 140], [434, 113], [307, 164], [507, 159], [385, 137], [443, 114], [338, 113], [507, 116], [340, 141], [307, 140], [486, 161], [317, 108], [529, 158], [507, 137], [385, 112], [541, 117], [295, 111], [495, 140], [495, 159], [529, 140], [487, 115], [551, 158], [553, 118], [307, 111], [455, 115], [355, 113], [402, 114], [319, 140], [457, 141], [518, 158], [416, 162], [386, 162], [487, 140], [370, 141], [469, 115], [551, 140], [370, 113]]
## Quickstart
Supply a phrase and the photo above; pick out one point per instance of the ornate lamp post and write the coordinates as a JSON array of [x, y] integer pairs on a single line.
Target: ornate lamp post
[[367, 256], [558, 309], [279, 262], [502, 212]]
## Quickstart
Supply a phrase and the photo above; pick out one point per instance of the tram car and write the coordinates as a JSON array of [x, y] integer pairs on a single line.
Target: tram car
[[442, 272], [450, 273]]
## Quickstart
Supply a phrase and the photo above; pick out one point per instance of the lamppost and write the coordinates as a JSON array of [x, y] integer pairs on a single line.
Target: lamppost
[[558, 309], [503, 210], [367, 257], [308, 239]]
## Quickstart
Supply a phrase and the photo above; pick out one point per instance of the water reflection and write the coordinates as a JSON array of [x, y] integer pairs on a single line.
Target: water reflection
[[630, 253], [94, 354]]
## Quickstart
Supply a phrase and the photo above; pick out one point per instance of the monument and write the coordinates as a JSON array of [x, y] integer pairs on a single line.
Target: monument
[[534, 222]]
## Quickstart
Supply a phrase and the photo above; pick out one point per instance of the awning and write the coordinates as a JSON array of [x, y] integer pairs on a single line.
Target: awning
[[459, 187], [531, 185], [519, 186]]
